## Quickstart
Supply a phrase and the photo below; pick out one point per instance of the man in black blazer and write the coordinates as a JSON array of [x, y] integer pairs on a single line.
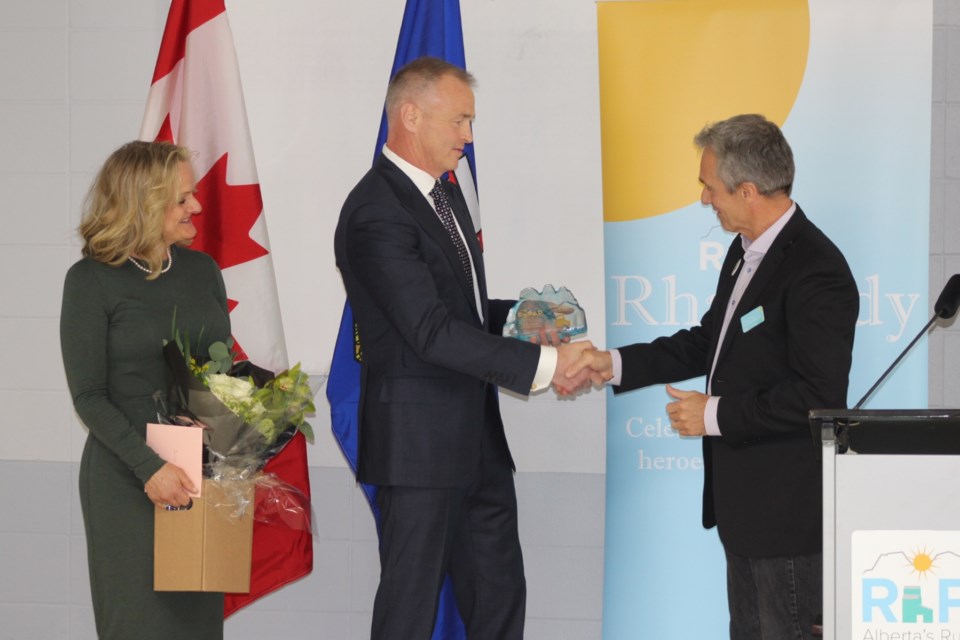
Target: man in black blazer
[[431, 437], [776, 342]]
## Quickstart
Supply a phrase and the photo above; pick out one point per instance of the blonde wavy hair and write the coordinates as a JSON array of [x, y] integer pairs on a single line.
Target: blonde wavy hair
[[125, 206]]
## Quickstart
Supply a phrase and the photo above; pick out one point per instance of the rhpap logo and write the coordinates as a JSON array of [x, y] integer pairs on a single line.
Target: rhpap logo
[[906, 585], [886, 597]]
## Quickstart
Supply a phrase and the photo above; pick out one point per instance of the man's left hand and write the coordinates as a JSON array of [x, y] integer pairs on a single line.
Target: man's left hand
[[686, 411]]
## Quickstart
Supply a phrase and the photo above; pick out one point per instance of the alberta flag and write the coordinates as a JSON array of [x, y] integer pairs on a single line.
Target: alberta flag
[[196, 101], [429, 28]]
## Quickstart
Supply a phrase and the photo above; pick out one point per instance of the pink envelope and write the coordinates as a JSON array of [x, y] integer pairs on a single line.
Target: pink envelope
[[182, 446]]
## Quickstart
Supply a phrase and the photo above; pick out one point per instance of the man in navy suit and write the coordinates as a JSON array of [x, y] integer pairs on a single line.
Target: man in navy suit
[[431, 437], [776, 342]]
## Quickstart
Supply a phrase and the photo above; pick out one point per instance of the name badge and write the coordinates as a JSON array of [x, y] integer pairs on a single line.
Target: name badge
[[751, 319]]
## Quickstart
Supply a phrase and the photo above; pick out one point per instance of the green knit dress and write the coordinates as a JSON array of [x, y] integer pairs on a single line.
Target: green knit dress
[[112, 326]]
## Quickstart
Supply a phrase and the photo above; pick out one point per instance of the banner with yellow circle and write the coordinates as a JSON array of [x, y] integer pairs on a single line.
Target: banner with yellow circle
[[667, 68], [849, 82]]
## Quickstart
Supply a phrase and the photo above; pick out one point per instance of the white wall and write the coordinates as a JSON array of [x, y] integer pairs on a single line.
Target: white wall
[[314, 75], [74, 75], [944, 342]]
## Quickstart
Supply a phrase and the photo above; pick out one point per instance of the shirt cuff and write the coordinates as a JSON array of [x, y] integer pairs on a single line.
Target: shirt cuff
[[616, 366], [710, 424], [545, 368]]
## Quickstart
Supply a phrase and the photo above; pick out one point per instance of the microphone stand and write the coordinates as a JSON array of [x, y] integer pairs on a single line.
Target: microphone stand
[[897, 361]]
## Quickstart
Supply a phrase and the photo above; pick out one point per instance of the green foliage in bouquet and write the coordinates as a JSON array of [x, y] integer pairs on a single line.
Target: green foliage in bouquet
[[280, 402], [220, 354], [271, 409]]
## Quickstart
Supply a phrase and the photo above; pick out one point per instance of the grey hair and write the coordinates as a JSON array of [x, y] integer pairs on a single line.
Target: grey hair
[[749, 148], [417, 76]]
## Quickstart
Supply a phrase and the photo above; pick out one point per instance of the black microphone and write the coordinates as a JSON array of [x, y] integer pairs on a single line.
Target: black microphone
[[949, 299], [945, 307]]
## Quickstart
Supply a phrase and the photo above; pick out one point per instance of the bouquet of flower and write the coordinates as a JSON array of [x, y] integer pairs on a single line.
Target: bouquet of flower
[[248, 415]]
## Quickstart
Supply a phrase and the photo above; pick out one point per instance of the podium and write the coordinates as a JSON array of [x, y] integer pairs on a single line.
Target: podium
[[891, 523]]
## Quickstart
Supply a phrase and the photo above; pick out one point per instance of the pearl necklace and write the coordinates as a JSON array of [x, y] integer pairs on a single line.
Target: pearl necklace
[[145, 270]]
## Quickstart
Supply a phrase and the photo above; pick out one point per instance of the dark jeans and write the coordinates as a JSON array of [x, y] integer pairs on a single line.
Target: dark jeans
[[774, 598]]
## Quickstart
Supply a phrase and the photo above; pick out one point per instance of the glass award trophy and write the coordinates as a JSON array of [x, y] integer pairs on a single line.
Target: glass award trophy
[[551, 310]]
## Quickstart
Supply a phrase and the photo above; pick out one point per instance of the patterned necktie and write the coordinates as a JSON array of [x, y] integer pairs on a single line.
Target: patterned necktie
[[446, 217]]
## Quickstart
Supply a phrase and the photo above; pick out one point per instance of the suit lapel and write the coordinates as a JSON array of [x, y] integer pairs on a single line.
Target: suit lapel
[[462, 213], [728, 277], [766, 273], [422, 211], [771, 261]]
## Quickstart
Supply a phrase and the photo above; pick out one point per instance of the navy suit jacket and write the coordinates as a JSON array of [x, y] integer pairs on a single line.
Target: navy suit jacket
[[762, 485], [430, 365]]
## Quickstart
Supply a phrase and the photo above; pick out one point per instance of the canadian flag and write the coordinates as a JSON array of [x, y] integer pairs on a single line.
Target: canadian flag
[[196, 101]]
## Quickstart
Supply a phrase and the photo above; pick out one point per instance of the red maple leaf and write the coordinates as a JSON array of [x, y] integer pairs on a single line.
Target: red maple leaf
[[223, 228], [229, 212], [166, 131]]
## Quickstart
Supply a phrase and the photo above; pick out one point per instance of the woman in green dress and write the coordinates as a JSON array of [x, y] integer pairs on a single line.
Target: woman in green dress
[[119, 303]]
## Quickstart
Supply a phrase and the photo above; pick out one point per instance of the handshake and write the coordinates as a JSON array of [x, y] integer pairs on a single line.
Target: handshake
[[580, 365]]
